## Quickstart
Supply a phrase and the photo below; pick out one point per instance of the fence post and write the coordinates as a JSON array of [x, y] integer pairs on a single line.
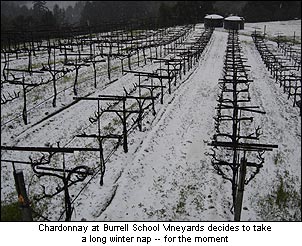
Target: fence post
[[240, 190], [22, 196]]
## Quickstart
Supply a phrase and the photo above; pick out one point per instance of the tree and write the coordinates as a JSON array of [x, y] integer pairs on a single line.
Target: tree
[[271, 10], [42, 16], [165, 15], [59, 15], [19, 23], [87, 14], [183, 12], [39, 7]]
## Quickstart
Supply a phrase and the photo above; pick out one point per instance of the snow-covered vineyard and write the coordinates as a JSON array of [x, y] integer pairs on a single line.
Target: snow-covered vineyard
[[155, 125]]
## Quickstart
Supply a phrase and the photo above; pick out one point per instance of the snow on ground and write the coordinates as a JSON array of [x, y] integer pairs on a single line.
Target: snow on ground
[[166, 175], [287, 28], [281, 125]]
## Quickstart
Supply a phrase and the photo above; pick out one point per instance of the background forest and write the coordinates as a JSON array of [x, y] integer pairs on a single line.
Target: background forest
[[15, 16]]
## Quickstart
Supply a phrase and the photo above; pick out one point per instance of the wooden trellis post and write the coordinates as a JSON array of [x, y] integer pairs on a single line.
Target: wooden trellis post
[[22, 195], [39, 167], [240, 189], [233, 99]]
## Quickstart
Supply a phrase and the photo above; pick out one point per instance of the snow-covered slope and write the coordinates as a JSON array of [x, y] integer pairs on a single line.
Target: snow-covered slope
[[166, 174]]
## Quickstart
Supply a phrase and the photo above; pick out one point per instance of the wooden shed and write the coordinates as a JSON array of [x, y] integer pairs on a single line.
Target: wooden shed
[[212, 21], [233, 23]]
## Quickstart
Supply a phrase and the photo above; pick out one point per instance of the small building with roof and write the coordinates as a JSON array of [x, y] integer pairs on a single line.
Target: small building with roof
[[212, 21], [233, 23]]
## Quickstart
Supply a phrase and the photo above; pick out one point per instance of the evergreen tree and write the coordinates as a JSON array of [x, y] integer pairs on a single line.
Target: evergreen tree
[[164, 15], [271, 10], [59, 15]]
